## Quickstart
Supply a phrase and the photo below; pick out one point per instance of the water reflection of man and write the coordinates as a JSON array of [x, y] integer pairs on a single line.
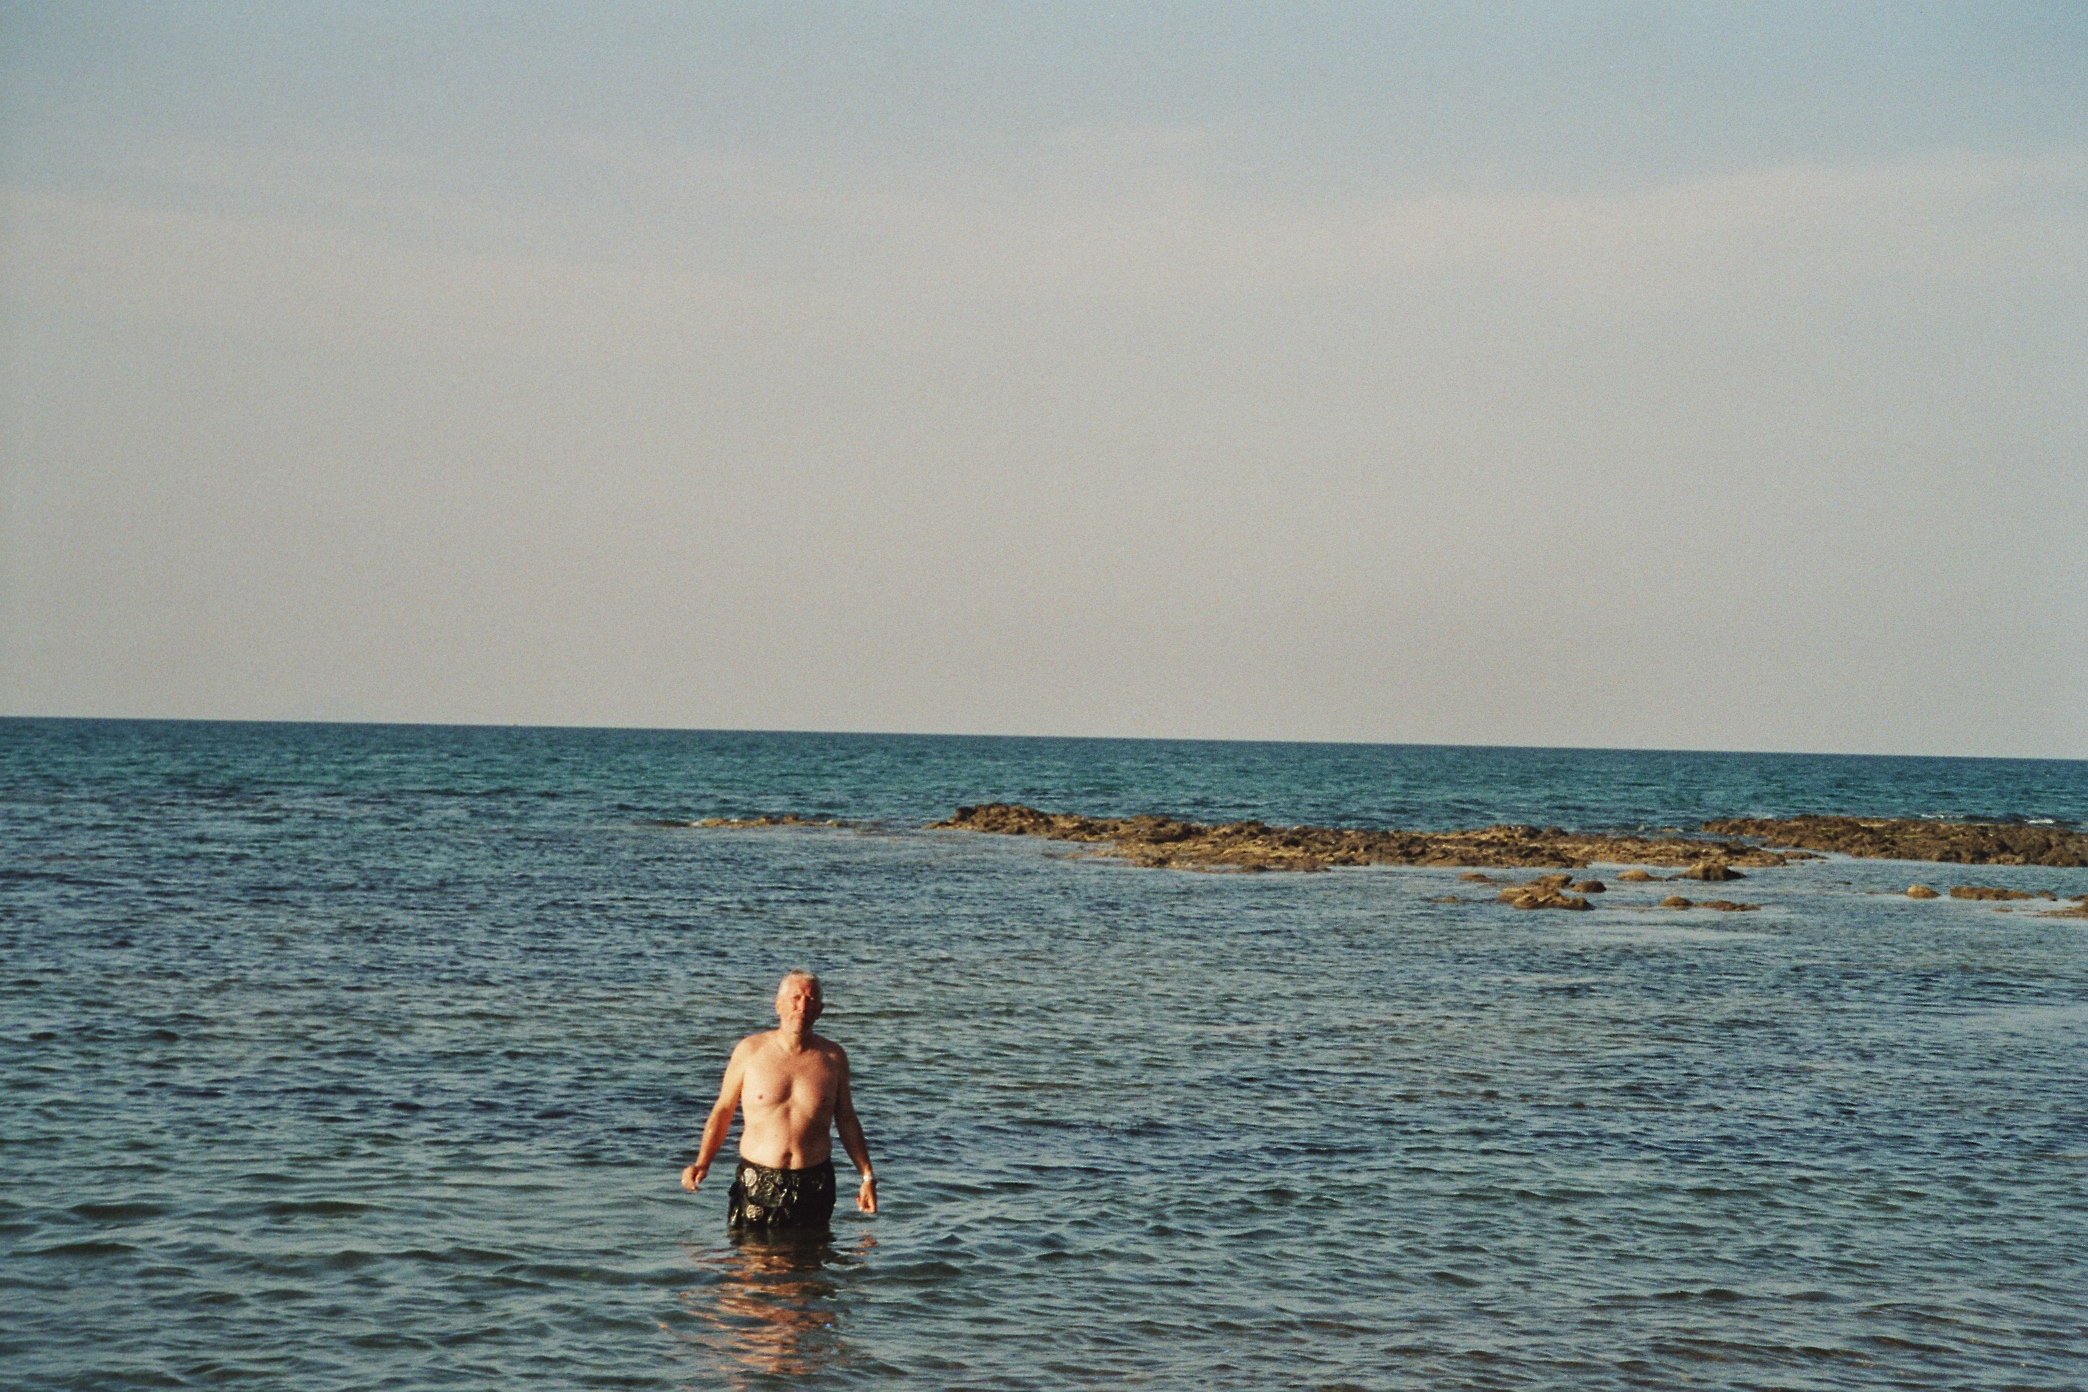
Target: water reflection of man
[[794, 1085], [774, 1305]]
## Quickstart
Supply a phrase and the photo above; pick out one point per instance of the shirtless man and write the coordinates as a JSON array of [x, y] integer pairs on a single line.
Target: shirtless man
[[795, 1087]]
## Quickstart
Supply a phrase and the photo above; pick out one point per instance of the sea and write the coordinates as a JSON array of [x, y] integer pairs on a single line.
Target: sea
[[359, 1056]]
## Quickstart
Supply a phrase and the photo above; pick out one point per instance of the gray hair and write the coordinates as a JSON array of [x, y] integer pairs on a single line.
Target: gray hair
[[800, 974]]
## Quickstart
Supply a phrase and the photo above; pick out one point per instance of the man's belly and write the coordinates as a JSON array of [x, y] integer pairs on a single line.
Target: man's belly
[[783, 1142]]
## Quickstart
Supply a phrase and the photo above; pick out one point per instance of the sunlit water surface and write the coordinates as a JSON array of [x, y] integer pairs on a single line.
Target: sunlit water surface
[[352, 1057]]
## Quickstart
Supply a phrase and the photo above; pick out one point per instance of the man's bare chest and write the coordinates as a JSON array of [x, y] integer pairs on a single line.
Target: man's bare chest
[[802, 1083]]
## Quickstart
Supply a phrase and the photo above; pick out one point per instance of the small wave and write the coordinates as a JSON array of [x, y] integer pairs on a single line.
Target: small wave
[[82, 1249], [324, 1208], [116, 1212], [452, 1256], [1452, 1278]]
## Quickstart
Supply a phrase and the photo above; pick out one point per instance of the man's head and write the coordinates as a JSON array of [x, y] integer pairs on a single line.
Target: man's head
[[799, 999]]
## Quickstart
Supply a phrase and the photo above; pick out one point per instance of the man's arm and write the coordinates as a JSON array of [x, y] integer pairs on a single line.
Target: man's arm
[[720, 1122], [852, 1141]]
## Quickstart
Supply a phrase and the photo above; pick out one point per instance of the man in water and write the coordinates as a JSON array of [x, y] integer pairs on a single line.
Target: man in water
[[795, 1087]]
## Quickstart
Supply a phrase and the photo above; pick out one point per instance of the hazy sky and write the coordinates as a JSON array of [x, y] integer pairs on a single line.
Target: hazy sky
[[1702, 376]]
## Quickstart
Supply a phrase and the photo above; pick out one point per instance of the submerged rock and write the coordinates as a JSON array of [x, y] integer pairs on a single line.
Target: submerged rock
[[1988, 892], [1676, 901], [1634, 877], [1921, 892], [1711, 870]]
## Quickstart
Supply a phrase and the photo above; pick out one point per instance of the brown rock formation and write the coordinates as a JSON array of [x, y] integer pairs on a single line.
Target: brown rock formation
[[1634, 877], [1553, 900], [1727, 906], [1676, 901], [1591, 887], [1990, 893], [1544, 892], [1921, 892], [1164, 841], [1953, 843], [1711, 870]]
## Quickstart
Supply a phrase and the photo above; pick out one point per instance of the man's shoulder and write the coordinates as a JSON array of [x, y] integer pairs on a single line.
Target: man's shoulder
[[752, 1043], [829, 1048]]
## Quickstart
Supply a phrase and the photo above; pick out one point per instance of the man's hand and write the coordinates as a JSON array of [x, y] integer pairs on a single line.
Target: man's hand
[[866, 1197], [693, 1176]]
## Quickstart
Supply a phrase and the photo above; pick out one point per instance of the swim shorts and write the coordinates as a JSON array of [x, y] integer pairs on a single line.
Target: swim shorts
[[768, 1199]]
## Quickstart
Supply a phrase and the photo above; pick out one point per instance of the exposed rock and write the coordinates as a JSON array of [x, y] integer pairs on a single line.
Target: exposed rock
[[1711, 870], [1989, 892], [1727, 906], [1544, 892], [1164, 841], [1634, 877], [1591, 887], [1475, 877], [1676, 901], [788, 819], [2079, 910], [1921, 892], [1544, 886], [1887, 838]]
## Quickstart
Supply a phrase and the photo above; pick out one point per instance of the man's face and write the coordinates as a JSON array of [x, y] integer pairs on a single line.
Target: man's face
[[797, 1003]]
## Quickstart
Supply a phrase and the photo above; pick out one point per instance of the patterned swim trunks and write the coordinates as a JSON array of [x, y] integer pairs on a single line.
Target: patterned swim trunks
[[768, 1199]]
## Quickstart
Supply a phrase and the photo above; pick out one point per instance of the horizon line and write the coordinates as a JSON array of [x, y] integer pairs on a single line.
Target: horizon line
[[981, 735]]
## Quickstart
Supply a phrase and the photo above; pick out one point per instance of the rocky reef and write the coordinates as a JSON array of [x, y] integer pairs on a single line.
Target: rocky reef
[[1887, 838], [1252, 846]]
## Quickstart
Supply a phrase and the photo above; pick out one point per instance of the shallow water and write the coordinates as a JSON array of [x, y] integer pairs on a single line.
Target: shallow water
[[350, 1057]]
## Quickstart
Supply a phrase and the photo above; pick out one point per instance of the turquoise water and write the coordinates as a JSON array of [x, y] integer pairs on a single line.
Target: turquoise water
[[360, 1057]]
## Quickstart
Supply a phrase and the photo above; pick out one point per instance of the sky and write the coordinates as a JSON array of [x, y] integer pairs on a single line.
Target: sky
[[1703, 376]]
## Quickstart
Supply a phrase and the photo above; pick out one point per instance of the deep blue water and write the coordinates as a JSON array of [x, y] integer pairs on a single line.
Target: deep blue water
[[358, 1057]]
